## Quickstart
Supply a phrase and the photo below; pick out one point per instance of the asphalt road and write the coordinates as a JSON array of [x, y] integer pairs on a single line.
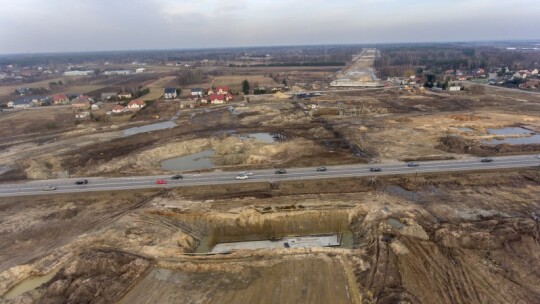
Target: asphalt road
[[218, 178]]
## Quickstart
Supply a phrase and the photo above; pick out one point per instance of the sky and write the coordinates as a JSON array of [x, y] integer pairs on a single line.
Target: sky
[[35, 26]]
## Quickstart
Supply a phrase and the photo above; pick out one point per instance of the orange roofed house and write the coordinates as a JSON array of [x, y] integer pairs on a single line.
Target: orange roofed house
[[136, 104]]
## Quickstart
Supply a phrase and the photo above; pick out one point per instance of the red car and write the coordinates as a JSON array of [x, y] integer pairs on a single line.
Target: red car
[[161, 182]]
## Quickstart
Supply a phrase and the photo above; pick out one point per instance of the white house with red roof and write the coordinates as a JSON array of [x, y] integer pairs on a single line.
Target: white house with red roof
[[216, 98], [118, 109], [223, 90], [136, 104], [60, 99]]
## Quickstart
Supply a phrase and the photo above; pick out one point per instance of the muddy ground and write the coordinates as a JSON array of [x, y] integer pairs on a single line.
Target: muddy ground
[[460, 238]]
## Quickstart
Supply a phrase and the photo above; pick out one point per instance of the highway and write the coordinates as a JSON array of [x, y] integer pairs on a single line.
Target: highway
[[268, 175]]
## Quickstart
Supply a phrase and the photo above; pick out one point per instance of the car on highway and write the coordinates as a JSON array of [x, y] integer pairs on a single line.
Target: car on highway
[[177, 177], [413, 164], [242, 176], [49, 188], [280, 171], [375, 169], [321, 169], [81, 182], [161, 182], [487, 160]]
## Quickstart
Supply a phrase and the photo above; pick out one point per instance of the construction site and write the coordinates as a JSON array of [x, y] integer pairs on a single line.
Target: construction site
[[440, 237]]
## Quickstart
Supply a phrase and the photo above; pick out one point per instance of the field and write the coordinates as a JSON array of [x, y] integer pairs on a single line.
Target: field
[[284, 280]]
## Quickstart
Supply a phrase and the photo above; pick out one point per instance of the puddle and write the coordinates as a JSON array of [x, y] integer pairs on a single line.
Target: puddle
[[526, 136], [464, 129], [394, 223], [148, 128], [510, 131], [534, 139], [28, 284], [264, 137], [197, 161]]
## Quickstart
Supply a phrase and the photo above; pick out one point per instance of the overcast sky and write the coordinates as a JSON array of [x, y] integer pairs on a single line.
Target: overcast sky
[[96, 25]]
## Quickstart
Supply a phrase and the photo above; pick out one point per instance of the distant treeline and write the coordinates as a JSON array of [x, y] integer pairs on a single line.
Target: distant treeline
[[394, 61], [295, 64]]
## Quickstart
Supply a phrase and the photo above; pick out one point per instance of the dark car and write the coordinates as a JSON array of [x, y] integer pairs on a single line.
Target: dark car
[[375, 169], [280, 171], [81, 182], [413, 164], [177, 176], [487, 160], [321, 169]]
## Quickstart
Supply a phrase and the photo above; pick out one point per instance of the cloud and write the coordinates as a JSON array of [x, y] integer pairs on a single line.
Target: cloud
[[79, 25]]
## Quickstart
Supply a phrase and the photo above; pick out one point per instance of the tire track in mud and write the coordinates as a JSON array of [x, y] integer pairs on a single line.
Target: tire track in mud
[[133, 207]]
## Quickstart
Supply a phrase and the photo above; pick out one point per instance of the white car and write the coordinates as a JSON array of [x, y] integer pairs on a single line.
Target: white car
[[242, 176], [246, 173]]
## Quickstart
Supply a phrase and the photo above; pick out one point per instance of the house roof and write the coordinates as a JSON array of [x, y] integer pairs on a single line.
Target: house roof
[[223, 88], [217, 96], [170, 90], [59, 97], [124, 93], [136, 102], [22, 100], [118, 108]]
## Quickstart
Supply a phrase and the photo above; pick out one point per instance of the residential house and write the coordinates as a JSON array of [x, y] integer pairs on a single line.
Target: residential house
[[124, 94], [95, 106], [21, 103], [222, 90], [454, 88], [461, 77], [82, 115], [534, 72], [40, 100], [216, 98], [136, 104], [80, 104], [117, 109], [107, 95], [59, 99], [23, 91], [140, 70], [198, 92], [170, 93]]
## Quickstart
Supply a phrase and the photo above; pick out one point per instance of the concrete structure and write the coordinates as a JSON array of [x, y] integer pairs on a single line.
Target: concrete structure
[[118, 72], [454, 88], [287, 242], [78, 73], [140, 70]]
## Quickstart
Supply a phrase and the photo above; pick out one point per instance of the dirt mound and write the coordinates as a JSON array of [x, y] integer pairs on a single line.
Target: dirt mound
[[280, 95], [93, 277], [455, 144]]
